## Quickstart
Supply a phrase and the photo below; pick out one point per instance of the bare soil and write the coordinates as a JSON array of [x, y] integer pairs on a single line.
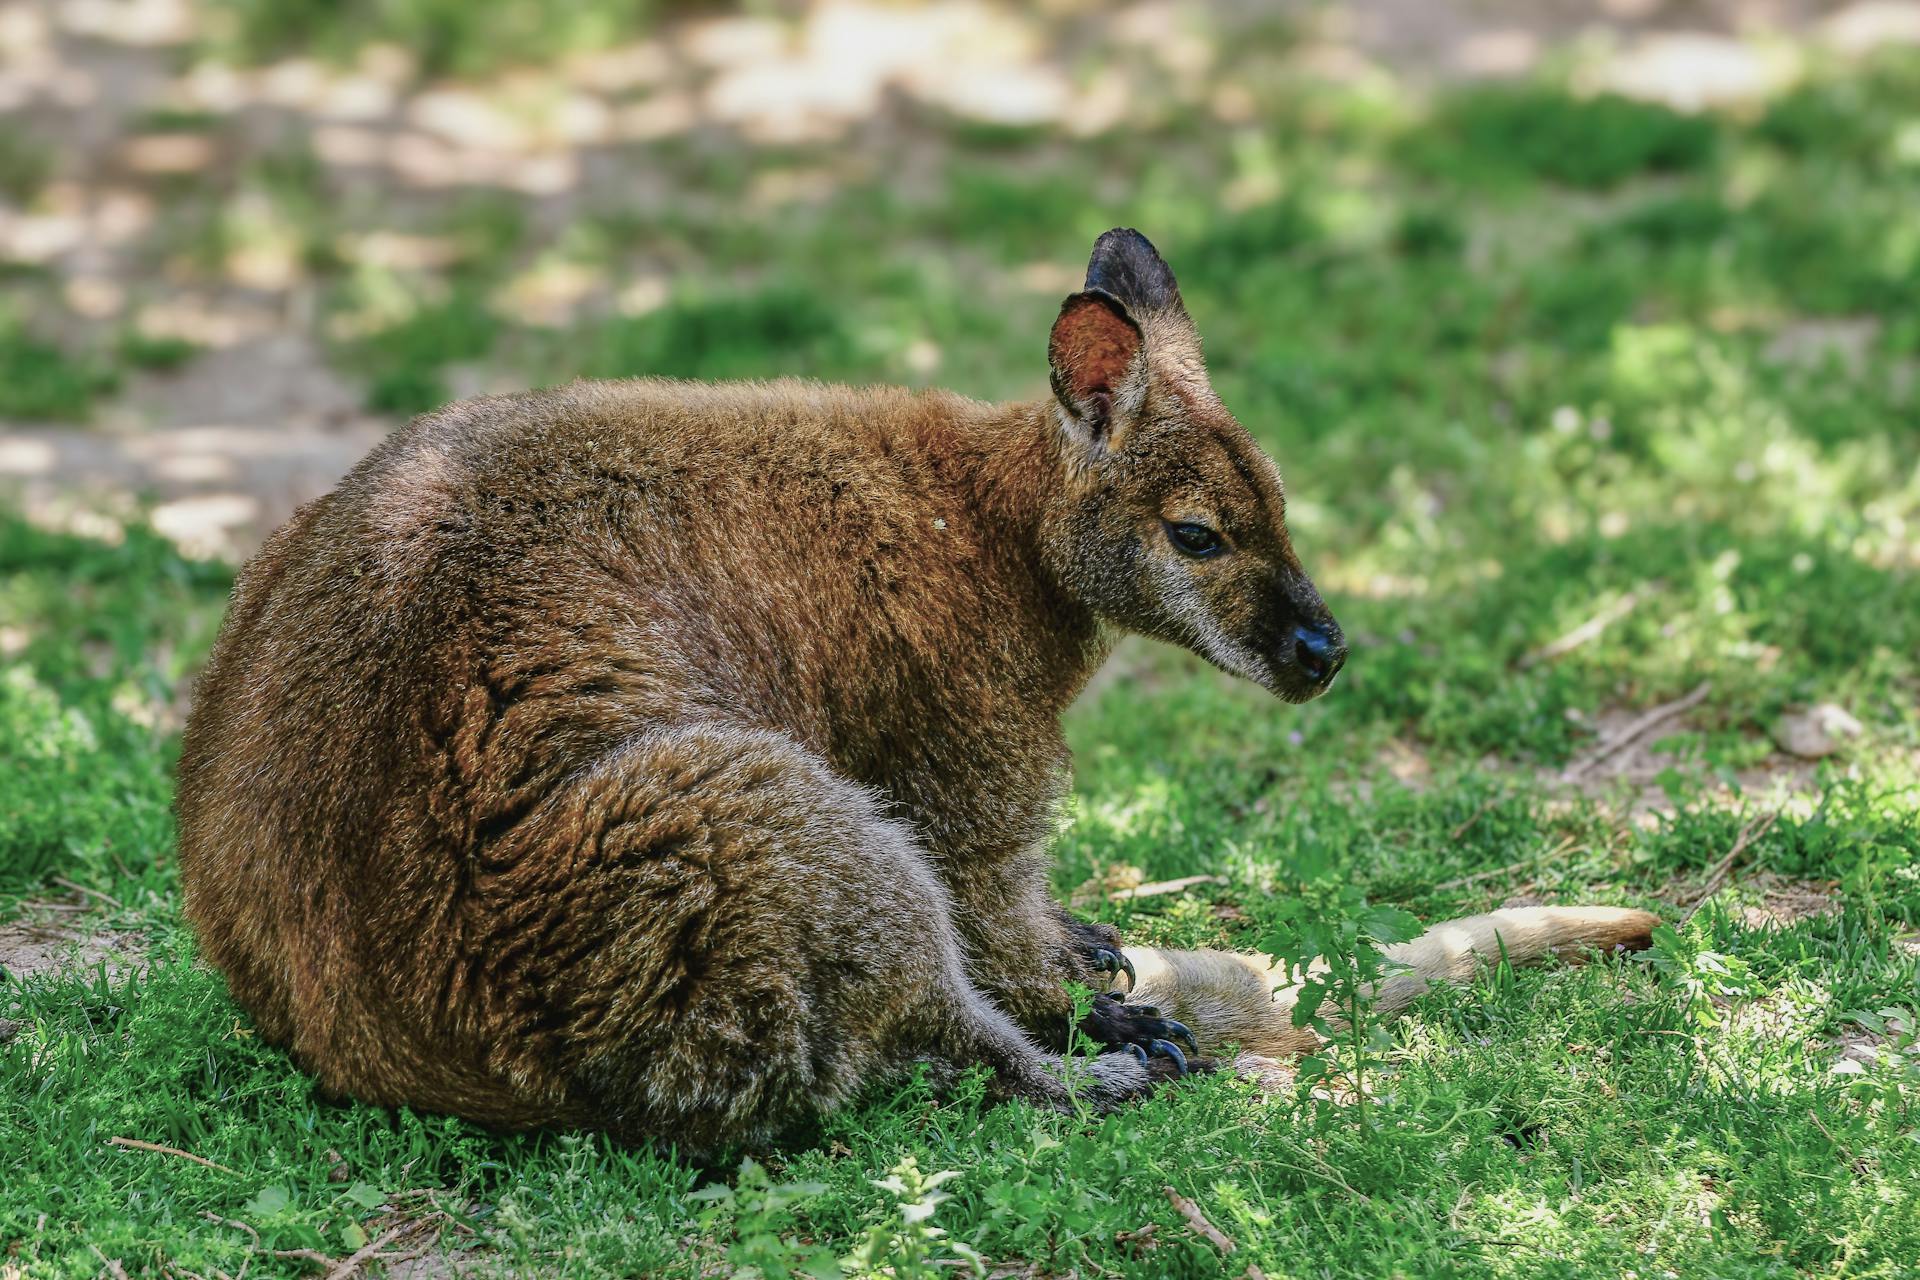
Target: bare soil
[[49, 936]]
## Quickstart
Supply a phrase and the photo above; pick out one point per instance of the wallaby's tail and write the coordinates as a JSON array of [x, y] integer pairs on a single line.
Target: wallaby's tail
[[1246, 999]]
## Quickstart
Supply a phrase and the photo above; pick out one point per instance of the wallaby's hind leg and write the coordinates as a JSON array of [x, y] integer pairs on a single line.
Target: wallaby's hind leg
[[710, 934]]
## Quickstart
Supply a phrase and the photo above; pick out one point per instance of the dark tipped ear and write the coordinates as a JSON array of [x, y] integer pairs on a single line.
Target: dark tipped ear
[[1126, 265], [1099, 367]]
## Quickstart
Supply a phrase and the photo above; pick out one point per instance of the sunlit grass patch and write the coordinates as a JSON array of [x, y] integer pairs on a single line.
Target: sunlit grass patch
[[723, 334], [96, 630]]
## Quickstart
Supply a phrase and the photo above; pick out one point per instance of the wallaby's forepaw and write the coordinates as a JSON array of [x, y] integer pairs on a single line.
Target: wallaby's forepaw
[[1097, 946], [1113, 963], [1120, 1078], [1138, 1029], [1174, 1065]]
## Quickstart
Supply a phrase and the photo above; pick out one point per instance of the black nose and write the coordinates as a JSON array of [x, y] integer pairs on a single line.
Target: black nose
[[1318, 651]]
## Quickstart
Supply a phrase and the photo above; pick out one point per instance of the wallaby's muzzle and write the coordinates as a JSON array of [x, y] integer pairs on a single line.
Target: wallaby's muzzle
[[1305, 647], [1310, 655], [1319, 651]]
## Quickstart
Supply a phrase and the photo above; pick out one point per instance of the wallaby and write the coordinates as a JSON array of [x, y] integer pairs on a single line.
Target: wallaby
[[674, 758]]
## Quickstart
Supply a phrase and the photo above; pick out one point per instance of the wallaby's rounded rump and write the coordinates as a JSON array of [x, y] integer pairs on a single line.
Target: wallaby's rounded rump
[[672, 758]]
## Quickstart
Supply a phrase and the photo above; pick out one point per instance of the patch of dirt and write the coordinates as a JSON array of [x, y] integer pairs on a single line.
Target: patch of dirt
[[1860, 1048], [1407, 763], [1689, 53], [440, 1263], [51, 936], [1622, 764], [1785, 901], [214, 490]]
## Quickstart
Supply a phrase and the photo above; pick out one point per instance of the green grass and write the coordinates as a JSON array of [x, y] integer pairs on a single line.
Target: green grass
[[43, 380], [1535, 131], [1519, 355], [25, 166], [447, 37], [158, 353]]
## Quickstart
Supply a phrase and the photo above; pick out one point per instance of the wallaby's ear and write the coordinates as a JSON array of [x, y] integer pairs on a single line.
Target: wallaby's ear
[[1126, 265], [1099, 363]]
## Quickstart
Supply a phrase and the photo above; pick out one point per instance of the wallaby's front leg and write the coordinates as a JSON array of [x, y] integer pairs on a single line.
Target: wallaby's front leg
[[1022, 949], [1018, 946], [1113, 1023]]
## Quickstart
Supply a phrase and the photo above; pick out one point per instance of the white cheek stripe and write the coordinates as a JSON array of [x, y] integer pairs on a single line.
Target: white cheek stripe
[[1208, 636]]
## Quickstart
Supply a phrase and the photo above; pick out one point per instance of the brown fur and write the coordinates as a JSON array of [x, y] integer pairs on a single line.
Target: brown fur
[[673, 758]]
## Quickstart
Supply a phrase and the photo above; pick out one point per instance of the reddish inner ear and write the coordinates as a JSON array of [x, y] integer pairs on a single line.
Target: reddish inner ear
[[1092, 348]]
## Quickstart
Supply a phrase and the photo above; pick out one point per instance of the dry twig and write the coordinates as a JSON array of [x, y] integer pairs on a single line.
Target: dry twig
[[351, 1264], [113, 902], [1463, 881], [1717, 878], [1640, 728], [157, 1149], [112, 1265], [1586, 631], [314, 1256], [219, 1221], [1475, 816], [1160, 888], [1198, 1221], [1565, 845]]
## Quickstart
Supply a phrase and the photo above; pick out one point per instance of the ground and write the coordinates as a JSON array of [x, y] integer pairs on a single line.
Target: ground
[[1585, 335]]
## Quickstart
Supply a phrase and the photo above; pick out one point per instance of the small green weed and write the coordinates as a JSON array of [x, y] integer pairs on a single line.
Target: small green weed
[[731, 334], [160, 353], [1332, 943]]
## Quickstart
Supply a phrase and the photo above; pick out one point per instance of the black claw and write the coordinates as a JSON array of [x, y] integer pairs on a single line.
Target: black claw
[[1178, 1031], [1144, 1010], [1138, 1052], [1109, 961], [1168, 1049]]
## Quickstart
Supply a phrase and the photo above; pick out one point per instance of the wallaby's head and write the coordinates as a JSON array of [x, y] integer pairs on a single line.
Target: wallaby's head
[[1172, 522]]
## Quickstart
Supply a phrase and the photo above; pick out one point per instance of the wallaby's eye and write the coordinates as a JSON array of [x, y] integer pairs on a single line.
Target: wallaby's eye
[[1195, 540]]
